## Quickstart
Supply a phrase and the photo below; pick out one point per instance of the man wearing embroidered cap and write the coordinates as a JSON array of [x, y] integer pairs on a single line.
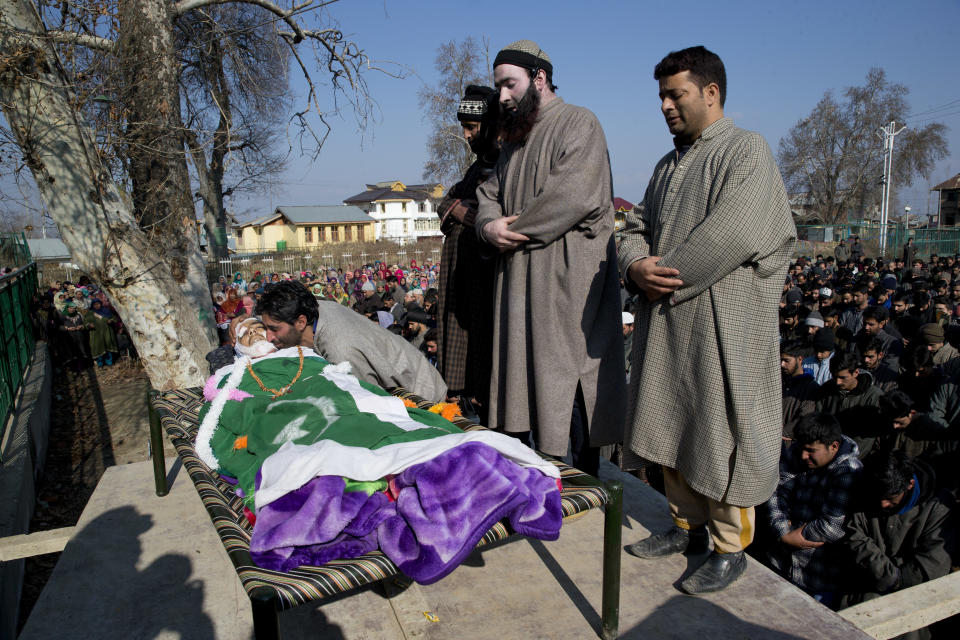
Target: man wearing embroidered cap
[[547, 209], [465, 289]]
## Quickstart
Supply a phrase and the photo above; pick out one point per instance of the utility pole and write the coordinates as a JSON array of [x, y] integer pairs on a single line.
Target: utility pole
[[888, 133]]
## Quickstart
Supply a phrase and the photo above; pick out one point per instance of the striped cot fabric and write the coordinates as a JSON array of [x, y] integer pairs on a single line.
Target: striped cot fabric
[[178, 416]]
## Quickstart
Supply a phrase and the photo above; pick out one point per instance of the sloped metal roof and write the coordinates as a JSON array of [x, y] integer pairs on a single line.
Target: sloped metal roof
[[323, 214]]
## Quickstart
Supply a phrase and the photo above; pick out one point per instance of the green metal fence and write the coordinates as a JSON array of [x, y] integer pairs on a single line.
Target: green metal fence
[[17, 292], [814, 239]]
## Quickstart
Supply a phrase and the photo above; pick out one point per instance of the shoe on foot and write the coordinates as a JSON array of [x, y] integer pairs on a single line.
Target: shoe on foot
[[674, 540], [718, 572]]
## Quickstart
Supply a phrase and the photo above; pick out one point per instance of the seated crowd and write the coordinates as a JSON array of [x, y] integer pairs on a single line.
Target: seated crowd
[[871, 425]]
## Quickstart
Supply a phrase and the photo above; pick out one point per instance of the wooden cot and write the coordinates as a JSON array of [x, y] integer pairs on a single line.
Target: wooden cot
[[271, 592]]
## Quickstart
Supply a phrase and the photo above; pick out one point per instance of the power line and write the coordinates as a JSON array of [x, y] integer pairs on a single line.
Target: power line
[[948, 105], [940, 116]]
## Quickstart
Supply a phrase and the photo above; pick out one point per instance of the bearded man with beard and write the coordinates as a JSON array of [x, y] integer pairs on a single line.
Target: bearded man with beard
[[547, 209]]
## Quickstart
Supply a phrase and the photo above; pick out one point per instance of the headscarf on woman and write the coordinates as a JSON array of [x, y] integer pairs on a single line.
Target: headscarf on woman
[[231, 304], [60, 301], [105, 311], [339, 295], [103, 341]]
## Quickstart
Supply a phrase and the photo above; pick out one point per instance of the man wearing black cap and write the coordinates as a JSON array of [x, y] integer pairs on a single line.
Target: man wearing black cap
[[465, 290], [548, 210]]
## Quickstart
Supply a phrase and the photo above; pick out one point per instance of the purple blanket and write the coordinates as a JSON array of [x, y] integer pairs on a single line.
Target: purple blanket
[[443, 508]]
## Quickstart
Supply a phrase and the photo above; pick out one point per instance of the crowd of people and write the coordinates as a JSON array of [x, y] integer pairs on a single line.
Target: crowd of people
[[402, 299], [866, 501], [80, 325]]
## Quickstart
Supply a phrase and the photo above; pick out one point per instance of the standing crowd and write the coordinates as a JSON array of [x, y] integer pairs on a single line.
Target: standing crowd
[[80, 325]]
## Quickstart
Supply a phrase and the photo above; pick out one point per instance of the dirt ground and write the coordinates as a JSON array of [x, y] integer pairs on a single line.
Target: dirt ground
[[98, 419]]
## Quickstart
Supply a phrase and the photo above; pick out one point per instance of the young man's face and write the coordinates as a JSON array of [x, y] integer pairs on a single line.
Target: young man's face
[[684, 106], [892, 504], [283, 334], [823, 355], [431, 346], [512, 83], [846, 380], [871, 359], [872, 326], [817, 455], [846, 298], [860, 298], [831, 322], [791, 365], [899, 306]]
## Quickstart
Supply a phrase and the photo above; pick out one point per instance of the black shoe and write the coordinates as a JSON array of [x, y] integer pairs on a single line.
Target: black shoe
[[674, 540], [716, 573]]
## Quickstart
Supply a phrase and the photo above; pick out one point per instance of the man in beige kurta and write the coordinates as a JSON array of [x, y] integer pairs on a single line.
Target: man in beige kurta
[[708, 248], [547, 210]]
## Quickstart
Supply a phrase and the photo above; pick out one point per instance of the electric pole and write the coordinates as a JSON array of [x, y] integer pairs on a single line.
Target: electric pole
[[888, 133]]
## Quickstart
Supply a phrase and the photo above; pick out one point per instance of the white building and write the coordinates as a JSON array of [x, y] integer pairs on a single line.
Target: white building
[[401, 213]]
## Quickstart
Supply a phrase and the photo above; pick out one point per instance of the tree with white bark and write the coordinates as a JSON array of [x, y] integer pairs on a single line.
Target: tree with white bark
[[140, 242]]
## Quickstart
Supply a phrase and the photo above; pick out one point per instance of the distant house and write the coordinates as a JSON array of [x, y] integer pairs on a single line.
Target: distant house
[[291, 227], [947, 208], [402, 213], [621, 208]]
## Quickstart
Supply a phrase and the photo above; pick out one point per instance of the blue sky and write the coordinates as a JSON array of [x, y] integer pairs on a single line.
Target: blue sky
[[780, 58]]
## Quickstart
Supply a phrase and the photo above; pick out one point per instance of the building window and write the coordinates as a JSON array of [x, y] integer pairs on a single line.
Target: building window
[[383, 207], [308, 234], [334, 234], [422, 207], [347, 233], [403, 207]]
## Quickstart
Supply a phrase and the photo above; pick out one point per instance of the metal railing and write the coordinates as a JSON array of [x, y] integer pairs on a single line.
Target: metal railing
[[17, 343], [14, 251], [814, 239]]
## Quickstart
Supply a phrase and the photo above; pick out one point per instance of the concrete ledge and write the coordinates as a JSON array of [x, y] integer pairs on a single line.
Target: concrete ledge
[[34, 544], [24, 451], [909, 609]]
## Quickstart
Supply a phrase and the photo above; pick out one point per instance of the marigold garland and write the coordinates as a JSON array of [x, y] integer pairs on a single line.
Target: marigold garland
[[448, 410], [240, 443]]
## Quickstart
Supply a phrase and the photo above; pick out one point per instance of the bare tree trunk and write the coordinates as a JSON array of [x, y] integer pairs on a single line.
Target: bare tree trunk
[[157, 162], [163, 299], [210, 175]]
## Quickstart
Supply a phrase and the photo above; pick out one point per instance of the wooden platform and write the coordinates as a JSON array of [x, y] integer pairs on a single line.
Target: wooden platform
[[142, 566]]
